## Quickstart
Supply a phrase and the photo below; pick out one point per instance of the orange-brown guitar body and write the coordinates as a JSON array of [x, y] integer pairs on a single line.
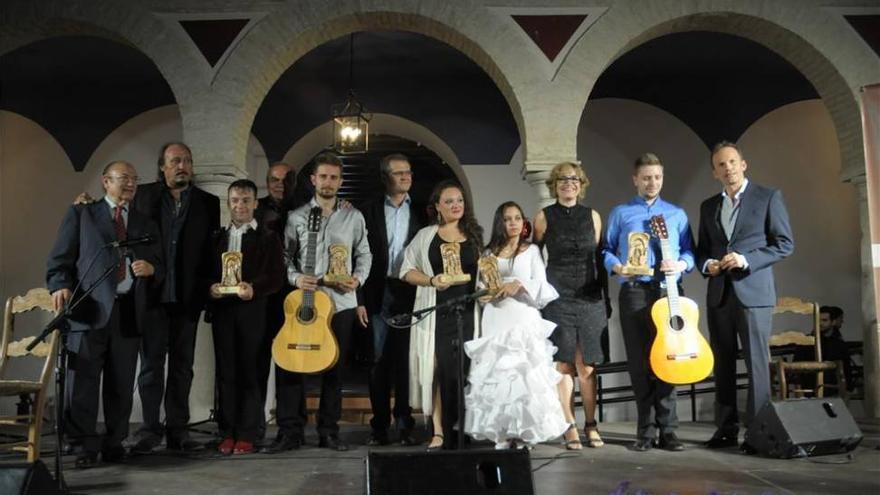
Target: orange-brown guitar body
[[306, 343], [679, 356]]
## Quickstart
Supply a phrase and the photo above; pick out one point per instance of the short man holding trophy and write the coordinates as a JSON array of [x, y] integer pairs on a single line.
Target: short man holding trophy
[[631, 254], [341, 263], [249, 264]]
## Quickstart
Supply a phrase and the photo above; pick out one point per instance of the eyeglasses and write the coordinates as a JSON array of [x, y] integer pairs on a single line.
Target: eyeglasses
[[124, 178], [402, 173], [571, 179]]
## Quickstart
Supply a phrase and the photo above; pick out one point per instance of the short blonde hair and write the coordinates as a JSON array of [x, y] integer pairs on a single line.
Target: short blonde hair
[[556, 173]]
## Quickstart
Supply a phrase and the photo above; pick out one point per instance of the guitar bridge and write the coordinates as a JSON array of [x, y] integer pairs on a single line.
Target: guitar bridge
[[304, 347], [681, 357]]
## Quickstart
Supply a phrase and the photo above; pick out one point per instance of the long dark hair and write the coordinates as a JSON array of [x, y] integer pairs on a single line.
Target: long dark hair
[[499, 233], [468, 224]]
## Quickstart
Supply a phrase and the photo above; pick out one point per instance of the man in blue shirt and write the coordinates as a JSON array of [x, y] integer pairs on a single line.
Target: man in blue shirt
[[638, 294]]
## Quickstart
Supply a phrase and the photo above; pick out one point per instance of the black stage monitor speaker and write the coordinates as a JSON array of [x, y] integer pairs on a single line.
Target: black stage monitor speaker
[[803, 427], [26, 479], [473, 472]]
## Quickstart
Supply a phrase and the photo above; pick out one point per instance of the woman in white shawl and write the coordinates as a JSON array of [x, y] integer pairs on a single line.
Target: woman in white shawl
[[433, 361]]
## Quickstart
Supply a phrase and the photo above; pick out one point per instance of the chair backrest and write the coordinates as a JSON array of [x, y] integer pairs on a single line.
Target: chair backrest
[[9, 348], [793, 305]]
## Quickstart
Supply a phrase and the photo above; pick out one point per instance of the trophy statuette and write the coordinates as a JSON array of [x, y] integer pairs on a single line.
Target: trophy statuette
[[336, 269], [637, 257], [452, 272], [489, 273], [231, 270]]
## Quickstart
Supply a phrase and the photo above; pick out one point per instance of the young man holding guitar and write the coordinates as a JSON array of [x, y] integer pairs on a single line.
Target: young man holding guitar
[[639, 292], [744, 231], [340, 228]]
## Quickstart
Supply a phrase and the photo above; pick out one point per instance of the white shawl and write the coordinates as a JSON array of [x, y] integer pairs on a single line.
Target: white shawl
[[421, 343]]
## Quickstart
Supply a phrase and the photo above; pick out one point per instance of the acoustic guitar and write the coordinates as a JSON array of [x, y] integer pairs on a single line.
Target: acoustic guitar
[[305, 343], [679, 354]]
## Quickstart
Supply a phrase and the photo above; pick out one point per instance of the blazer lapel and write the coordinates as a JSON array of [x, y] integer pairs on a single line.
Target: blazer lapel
[[744, 201], [104, 220], [717, 217]]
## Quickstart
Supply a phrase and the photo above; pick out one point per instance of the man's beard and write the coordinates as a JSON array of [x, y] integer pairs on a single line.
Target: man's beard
[[326, 193]]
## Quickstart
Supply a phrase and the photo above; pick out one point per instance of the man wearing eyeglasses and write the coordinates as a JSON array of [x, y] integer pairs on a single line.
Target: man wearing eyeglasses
[[106, 327], [392, 221], [187, 217], [638, 293]]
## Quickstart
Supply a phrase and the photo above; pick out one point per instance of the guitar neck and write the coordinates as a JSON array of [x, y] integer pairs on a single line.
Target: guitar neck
[[309, 268], [671, 280]]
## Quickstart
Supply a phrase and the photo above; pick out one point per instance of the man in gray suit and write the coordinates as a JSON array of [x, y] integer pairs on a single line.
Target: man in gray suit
[[744, 231]]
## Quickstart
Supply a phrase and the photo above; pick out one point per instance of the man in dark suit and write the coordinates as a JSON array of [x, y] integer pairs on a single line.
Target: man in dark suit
[[392, 221], [744, 231], [105, 327], [187, 217]]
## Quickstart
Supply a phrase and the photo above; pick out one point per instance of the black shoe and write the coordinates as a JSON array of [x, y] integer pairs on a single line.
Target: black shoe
[[378, 438], [115, 453], [283, 443], [642, 445], [332, 442], [670, 442], [146, 444], [747, 449], [406, 438], [86, 460], [721, 441], [184, 444]]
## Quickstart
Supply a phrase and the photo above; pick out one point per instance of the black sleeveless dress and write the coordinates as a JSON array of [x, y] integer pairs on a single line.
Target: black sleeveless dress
[[573, 268]]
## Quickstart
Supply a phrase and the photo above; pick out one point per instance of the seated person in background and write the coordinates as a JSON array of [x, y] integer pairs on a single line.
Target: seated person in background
[[834, 348]]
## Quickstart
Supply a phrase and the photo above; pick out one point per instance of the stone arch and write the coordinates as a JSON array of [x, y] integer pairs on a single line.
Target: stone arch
[[131, 25], [815, 41], [280, 40]]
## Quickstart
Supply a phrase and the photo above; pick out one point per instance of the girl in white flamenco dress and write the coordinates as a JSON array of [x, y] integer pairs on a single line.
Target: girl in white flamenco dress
[[512, 396]]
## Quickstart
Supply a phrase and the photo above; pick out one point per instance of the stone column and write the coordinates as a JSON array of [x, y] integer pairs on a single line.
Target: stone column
[[870, 327]]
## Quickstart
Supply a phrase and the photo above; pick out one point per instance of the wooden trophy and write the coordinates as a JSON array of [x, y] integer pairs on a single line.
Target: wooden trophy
[[452, 272], [336, 269], [489, 273], [637, 257], [231, 269]]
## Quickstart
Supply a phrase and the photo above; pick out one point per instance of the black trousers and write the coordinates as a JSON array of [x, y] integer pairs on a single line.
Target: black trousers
[[447, 349], [391, 370], [239, 331], [263, 362], [290, 390], [753, 327], [651, 393], [111, 351], [177, 342]]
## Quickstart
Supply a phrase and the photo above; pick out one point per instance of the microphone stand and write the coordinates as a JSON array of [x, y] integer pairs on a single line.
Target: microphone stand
[[61, 323], [458, 305]]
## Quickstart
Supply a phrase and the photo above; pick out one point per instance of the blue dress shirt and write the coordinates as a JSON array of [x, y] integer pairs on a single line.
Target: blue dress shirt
[[635, 216], [397, 227]]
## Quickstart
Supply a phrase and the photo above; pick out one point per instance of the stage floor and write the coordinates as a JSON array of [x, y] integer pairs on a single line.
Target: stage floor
[[611, 469]]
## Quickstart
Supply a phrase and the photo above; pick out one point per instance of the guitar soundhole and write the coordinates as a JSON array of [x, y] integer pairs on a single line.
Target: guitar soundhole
[[306, 315], [676, 322]]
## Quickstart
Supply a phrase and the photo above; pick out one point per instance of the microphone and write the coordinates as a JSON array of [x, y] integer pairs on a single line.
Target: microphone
[[144, 239]]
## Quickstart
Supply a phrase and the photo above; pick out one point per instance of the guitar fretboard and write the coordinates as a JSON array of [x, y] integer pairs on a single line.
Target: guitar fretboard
[[309, 269], [671, 280]]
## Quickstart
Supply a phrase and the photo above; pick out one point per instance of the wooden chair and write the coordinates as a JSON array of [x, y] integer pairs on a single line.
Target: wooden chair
[[782, 368], [32, 392]]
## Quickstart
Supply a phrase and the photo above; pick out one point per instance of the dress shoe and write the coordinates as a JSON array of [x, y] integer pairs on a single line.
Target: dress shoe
[[86, 460], [721, 441], [406, 438], [184, 444], [378, 438], [747, 449], [670, 442], [115, 453], [332, 442], [243, 447], [642, 445], [226, 446], [146, 444], [283, 443]]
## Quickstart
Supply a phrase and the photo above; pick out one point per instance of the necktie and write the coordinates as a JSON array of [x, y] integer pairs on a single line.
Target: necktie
[[119, 224]]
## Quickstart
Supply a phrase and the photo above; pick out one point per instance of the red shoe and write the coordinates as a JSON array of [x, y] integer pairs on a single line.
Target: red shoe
[[243, 447], [226, 446]]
